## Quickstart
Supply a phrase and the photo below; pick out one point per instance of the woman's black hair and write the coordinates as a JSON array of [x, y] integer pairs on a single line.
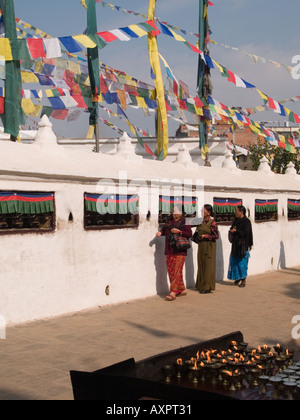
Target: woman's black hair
[[209, 208], [242, 209]]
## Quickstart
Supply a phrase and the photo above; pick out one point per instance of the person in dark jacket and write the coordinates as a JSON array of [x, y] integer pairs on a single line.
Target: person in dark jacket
[[175, 259], [241, 238]]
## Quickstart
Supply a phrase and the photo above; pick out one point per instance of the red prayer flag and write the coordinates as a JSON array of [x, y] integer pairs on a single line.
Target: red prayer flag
[[198, 102], [2, 105], [156, 31], [80, 101], [231, 77], [36, 47], [60, 114], [107, 36]]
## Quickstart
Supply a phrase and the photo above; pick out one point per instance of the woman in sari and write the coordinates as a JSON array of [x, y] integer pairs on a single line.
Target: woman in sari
[[175, 259], [241, 238], [207, 235]]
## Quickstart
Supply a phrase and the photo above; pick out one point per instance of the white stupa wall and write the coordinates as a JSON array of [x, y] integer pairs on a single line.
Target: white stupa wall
[[72, 269]]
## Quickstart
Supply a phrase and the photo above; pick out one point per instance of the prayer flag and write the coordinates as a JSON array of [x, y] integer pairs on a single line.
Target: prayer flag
[[162, 119]]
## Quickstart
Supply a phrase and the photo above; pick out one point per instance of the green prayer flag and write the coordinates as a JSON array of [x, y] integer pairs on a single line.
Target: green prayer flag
[[13, 115]]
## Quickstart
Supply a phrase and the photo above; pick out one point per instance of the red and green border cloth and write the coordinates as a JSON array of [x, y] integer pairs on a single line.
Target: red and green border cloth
[[26, 203]]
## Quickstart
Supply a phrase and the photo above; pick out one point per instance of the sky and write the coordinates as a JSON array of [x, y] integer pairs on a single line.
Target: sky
[[265, 28]]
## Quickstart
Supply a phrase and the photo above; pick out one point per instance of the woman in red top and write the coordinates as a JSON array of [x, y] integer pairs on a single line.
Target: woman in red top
[[175, 259]]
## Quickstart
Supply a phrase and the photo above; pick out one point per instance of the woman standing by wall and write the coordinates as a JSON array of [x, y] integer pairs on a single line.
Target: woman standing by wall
[[207, 234], [175, 259], [241, 238]]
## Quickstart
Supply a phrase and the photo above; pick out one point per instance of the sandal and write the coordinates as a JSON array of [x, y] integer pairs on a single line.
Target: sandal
[[183, 293], [170, 297]]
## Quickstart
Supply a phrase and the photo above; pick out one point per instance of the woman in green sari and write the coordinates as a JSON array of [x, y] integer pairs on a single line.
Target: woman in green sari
[[207, 235]]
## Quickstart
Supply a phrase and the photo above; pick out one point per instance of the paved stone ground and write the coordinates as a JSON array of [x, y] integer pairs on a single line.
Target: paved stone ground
[[35, 358]]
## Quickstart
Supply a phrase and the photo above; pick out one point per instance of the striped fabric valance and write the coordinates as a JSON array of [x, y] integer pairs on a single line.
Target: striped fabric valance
[[294, 205], [226, 205], [262, 206], [188, 205], [26, 203], [111, 203]]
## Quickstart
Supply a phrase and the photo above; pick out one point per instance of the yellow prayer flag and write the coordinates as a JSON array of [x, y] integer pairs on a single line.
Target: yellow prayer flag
[[136, 29], [141, 102], [49, 93], [85, 41], [176, 36], [100, 98], [74, 67], [28, 77], [90, 133], [38, 67], [83, 3], [265, 97], [162, 119], [5, 49], [122, 97], [131, 127], [28, 106], [199, 111]]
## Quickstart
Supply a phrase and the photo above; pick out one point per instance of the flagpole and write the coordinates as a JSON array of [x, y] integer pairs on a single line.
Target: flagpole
[[13, 113], [93, 66], [204, 87]]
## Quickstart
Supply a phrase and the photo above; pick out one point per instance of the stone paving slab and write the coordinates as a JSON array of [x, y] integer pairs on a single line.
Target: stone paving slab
[[36, 357]]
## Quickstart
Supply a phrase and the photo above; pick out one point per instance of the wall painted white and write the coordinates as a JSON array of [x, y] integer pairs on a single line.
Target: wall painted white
[[50, 274]]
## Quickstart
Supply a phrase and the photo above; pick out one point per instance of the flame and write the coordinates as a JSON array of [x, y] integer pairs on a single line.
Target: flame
[[287, 352], [198, 355], [224, 361], [253, 352], [242, 358], [208, 358], [259, 349], [259, 366], [271, 354], [201, 364], [234, 343], [179, 362], [195, 365], [265, 347], [228, 372]]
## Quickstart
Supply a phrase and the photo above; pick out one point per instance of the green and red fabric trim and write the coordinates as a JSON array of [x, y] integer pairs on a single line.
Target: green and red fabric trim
[[263, 206], [187, 204], [111, 203], [226, 205], [294, 205], [26, 203]]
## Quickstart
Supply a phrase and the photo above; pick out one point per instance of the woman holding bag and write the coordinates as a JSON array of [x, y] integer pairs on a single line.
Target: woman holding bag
[[175, 258], [205, 236]]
